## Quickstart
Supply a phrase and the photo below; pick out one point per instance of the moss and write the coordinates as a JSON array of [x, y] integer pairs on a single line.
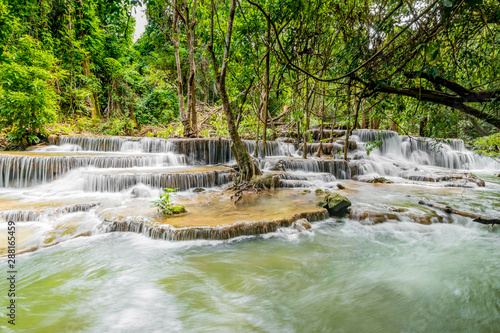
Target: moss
[[319, 191], [178, 210], [340, 187], [304, 192], [380, 180], [265, 181]]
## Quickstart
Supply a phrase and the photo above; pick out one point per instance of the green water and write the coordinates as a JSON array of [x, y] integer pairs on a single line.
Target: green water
[[341, 276]]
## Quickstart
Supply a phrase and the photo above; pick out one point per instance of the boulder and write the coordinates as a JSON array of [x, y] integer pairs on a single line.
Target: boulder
[[178, 210], [336, 204]]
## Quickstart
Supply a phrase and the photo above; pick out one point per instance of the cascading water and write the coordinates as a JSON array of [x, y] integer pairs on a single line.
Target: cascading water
[[420, 270]]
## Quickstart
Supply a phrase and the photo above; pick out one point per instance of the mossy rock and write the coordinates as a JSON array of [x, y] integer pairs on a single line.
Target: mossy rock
[[336, 204], [319, 191], [178, 210], [380, 180], [340, 187], [265, 181], [304, 192]]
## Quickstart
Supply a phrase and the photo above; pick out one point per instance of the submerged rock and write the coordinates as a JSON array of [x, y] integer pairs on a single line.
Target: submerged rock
[[336, 204], [340, 187], [198, 190]]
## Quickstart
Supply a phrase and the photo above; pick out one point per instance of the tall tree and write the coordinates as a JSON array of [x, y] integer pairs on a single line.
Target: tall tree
[[247, 167]]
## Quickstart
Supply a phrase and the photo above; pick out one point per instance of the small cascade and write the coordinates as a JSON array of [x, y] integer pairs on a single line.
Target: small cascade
[[315, 134], [293, 180], [218, 151], [326, 148], [167, 232], [36, 215], [94, 143], [449, 153], [22, 170], [273, 148], [116, 180], [338, 168], [204, 151]]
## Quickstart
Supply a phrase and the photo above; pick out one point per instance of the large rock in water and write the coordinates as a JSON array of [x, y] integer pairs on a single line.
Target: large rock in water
[[336, 204]]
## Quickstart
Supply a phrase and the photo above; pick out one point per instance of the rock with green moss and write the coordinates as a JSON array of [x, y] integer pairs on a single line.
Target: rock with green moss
[[178, 210], [380, 180], [340, 187], [336, 204], [266, 181], [304, 192], [319, 191]]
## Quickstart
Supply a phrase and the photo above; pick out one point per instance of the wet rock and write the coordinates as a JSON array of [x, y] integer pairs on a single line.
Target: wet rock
[[319, 191], [398, 209], [340, 186], [266, 181], [198, 190], [40, 145], [352, 144], [304, 192], [336, 204], [53, 139], [301, 225]]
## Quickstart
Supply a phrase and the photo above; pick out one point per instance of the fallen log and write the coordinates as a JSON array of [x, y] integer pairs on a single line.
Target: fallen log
[[447, 209]]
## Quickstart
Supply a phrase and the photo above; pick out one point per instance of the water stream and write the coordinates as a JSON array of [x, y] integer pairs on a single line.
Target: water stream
[[421, 270]]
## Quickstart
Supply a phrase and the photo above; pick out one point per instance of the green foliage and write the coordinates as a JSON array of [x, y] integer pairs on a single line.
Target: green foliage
[[174, 130], [28, 100], [115, 126], [218, 121], [488, 145], [164, 205]]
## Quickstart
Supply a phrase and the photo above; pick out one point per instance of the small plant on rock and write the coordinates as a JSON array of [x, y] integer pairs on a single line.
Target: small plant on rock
[[165, 206]]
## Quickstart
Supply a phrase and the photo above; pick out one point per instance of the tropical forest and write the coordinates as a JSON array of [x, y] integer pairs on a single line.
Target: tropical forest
[[250, 165]]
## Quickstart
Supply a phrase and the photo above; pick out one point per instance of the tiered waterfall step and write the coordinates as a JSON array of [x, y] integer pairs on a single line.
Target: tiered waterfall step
[[183, 178], [214, 216], [340, 169], [21, 169]]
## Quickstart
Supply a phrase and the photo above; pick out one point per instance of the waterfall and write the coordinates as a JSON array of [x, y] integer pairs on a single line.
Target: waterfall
[[119, 180], [18, 170], [449, 153]]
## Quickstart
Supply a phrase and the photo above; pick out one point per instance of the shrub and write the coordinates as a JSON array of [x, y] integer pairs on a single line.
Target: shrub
[[165, 206]]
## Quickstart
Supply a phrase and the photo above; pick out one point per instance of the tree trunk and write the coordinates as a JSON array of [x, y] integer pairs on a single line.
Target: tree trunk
[[191, 131], [266, 100], [245, 163]]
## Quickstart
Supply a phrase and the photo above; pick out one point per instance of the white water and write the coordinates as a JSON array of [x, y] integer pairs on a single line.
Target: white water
[[341, 275]]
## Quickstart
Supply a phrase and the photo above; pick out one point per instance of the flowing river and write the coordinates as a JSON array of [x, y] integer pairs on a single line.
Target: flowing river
[[348, 274]]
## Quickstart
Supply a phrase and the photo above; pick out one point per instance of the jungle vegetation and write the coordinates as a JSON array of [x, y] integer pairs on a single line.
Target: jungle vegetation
[[251, 68]]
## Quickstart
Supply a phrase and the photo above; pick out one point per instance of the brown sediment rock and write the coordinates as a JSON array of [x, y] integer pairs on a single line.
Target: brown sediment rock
[[298, 221], [466, 180], [53, 139], [380, 217], [40, 145]]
